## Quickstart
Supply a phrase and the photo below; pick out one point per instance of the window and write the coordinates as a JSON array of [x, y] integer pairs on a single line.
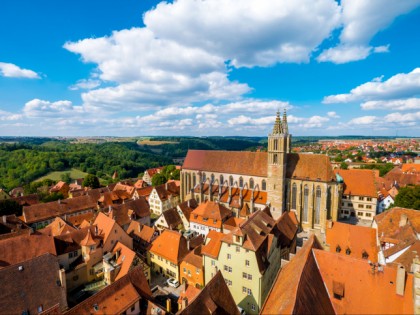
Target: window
[[361, 198], [241, 182], [228, 282], [305, 203], [231, 181], [213, 262], [189, 273], [238, 249], [194, 180], [275, 142], [318, 205], [350, 204], [227, 269], [221, 180], [197, 270], [365, 255], [294, 192], [246, 290], [247, 263], [369, 215], [338, 249], [264, 185], [244, 275], [229, 256], [251, 183], [203, 177], [369, 199], [70, 255], [360, 206], [275, 159], [185, 270], [368, 207], [151, 255], [360, 214], [348, 251]]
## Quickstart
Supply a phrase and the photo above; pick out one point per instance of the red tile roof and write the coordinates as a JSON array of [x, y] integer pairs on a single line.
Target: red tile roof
[[359, 182], [358, 239], [213, 244], [206, 213], [171, 245]]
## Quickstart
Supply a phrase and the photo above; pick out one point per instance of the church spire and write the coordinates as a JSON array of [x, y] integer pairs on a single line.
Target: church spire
[[285, 126], [277, 129]]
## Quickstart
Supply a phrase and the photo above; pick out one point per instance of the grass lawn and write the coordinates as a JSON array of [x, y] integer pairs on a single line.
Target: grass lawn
[[56, 176], [153, 142]]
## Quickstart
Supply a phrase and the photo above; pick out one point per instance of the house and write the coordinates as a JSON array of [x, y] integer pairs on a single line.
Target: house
[[140, 184], [249, 256], [187, 296], [27, 200], [411, 168], [184, 210], [192, 270], [143, 236], [352, 241], [131, 291], [111, 232], [321, 282], [359, 197], [385, 200], [169, 220], [11, 226], [163, 197], [61, 187], [149, 173], [113, 198], [42, 214], [133, 210], [17, 192], [208, 216], [129, 189], [215, 298], [33, 286], [167, 252], [24, 247], [4, 195], [398, 230], [57, 227]]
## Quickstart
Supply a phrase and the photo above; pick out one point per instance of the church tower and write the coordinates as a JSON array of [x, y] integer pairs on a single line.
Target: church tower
[[279, 144]]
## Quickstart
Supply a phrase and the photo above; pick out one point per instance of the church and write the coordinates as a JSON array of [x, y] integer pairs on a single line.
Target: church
[[246, 181]]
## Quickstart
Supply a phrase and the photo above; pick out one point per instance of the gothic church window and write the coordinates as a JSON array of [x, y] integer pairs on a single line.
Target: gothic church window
[[212, 178], [221, 180], [294, 192], [231, 181], [203, 179], [318, 205], [241, 182], [305, 204], [251, 183], [264, 185], [194, 180]]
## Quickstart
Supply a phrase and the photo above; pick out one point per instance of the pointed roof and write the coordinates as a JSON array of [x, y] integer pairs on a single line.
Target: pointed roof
[[88, 240], [245, 211], [277, 128], [284, 124]]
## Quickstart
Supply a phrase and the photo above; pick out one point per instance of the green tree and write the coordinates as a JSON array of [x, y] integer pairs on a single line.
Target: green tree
[[91, 181], [8, 207], [66, 177], [52, 197], [344, 166], [408, 197], [158, 179]]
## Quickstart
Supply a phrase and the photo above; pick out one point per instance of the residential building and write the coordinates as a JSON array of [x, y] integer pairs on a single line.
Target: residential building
[[167, 252], [215, 298], [149, 173], [42, 214], [321, 282], [249, 256], [359, 198], [111, 233], [11, 226], [352, 240], [191, 269], [133, 210], [290, 181], [163, 197], [142, 235], [209, 215], [170, 220], [184, 210], [33, 286], [61, 187]]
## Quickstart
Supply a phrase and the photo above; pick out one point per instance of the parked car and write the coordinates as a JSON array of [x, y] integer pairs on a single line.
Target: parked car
[[173, 282]]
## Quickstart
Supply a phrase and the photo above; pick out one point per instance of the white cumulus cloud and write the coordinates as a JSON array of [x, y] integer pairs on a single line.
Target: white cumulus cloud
[[11, 70]]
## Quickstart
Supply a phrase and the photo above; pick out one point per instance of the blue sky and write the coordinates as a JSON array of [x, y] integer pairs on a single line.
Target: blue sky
[[214, 67]]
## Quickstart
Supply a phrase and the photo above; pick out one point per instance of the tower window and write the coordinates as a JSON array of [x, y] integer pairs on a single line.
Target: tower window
[[275, 159], [275, 144]]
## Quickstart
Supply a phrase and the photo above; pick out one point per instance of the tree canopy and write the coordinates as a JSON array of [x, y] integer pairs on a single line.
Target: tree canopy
[[91, 181], [408, 197]]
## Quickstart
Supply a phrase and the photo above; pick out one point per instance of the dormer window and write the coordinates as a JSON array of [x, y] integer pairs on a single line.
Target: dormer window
[[365, 255], [348, 251], [338, 249], [205, 219]]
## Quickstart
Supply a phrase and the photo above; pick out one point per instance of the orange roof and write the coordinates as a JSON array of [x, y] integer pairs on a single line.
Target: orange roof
[[365, 292], [125, 259], [105, 225], [255, 164], [213, 244], [209, 211], [194, 258], [190, 294], [88, 240], [358, 239], [388, 221], [358, 182], [57, 227], [142, 231], [411, 168], [406, 259], [171, 245]]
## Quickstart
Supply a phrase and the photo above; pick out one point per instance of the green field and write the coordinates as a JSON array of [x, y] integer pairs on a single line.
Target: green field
[[56, 176]]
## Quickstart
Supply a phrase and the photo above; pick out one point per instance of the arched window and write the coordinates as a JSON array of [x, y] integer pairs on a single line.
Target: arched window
[[241, 182], [194, 180], [221, 180], [212, 178], [275, 144], [294, 193], [318, 205], [231, 181], [305, 204], [275, 160], [203, 177], [264, 185], [251, 183]]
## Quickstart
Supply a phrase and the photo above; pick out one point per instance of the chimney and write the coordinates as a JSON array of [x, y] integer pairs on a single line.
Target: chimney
[[329, 224], [400, 285], [59, 201], [166, 186], [62, 276], [4, 219], [188, 203], [168, 305], [403, 220]]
